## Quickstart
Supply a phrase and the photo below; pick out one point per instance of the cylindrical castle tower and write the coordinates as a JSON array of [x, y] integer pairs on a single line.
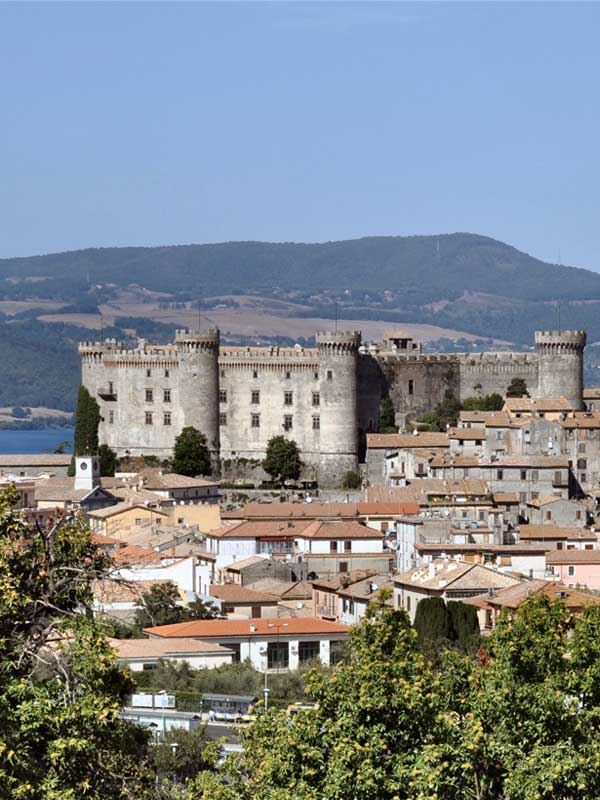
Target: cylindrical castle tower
[[198, 379], [560, 365], [338, 358]]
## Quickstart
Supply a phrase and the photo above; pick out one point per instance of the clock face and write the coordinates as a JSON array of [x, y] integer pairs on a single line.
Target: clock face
[[83, 465]]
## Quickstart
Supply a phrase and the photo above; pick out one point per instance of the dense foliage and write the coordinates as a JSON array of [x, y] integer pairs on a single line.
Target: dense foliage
[[282, 460], [162, 605], [387, 416], [191, 456], [517, 388], [61, 692], [518, 723], [442, 625], [87, 420]]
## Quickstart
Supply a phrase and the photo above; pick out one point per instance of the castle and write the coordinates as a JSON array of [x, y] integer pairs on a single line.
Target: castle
[[324, 398]]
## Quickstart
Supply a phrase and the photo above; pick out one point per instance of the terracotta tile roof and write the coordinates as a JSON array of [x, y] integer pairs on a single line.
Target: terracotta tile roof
[[513, 596], [221, 629], [339, 530], [264, 529], [546, 500], [585, 423], [335, 582], [163, 648], [449, 461], [533, 404], [483, 416], [36, 460], [120, 508], [171, 480], [132, 554], [573, 557], [495, 549], [555, 532], [506, 497], [316, 510], [238, 566], [389, 441], [454, 576], [234, 593], [101, 540], [284, 590], [387, 509], [367, 588], [467, 434]]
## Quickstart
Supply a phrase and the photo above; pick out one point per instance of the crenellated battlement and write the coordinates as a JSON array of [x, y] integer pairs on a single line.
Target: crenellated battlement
[[338, 342], [193, 341], [560, 341]]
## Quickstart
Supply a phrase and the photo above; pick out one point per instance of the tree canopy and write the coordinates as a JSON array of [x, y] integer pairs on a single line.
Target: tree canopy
[[387, 416], [517, 388], [162, 605], [282, 459], [191, 456]]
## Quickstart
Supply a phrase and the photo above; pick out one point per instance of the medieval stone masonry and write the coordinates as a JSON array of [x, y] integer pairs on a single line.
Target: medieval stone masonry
[[325, 398]]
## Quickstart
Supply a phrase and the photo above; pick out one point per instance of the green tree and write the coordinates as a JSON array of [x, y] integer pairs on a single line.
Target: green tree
[[466, 635], [352, 480], [433, 624], [183, 754], [517, 388], [490, 402], [282, 460], [109, 461], [387, 416], [61, 691], [161, 605], [445, 413], [191, 456], [87, 420]]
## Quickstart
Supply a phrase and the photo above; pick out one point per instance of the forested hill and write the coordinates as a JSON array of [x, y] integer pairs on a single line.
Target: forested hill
[[427, 267]]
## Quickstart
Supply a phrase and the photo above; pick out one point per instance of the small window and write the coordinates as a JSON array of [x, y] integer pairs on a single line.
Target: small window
[[581, 463], [138, 520], [255, 397], [333, 547], [580, 447], [583, 477], [343, 566], [499, 474], [571, 571], [111, 417], [180, 520], [347, 547], [167, 418], [167, 396], [288, 398], [149, 395], [316, 399], [316, 423], [499, 435], [222, 396], [548, 515], [148, 418], [523, 474], [578, 515], [408, 602], [411, 387], [329, 375], [222, 373], [288, 422], [534, 475], [222, 419], [148, 373], [166, 373], [255, 420], [110, 387], [288, 375], [255, 374]]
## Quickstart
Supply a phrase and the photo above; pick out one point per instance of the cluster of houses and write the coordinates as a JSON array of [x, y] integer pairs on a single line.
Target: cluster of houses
[[500, 508]]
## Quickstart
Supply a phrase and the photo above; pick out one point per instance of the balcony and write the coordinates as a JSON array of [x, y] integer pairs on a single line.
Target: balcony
[[107, 393]]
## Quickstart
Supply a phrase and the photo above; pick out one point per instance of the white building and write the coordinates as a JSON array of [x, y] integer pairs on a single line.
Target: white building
[[271, 645]]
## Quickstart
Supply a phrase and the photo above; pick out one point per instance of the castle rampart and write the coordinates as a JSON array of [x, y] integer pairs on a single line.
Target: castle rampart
[[325, 398]]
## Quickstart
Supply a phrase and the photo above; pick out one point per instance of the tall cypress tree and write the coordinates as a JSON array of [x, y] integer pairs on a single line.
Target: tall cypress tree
[[87, 420]]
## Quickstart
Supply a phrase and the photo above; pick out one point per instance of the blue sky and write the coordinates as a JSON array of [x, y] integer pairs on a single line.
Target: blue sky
[[133, 124]]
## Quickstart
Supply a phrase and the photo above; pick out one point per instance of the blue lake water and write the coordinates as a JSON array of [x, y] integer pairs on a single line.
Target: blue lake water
[[42, 441]]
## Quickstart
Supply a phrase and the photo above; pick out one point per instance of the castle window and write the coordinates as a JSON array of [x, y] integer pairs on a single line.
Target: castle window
[[583, 477], [316, 376], [255, 420], [329, 375], [148, 373], [411, 387], [316, 399], [580, 447], [288, 375], [288, 422], [149, 395], [534, 475], [167, 396], [222, 396], [222, 419], [523, 474], [499, 474], [581, 463], [222, 373], [255, 397], [288, 398], [316, 423], [167, 418], [111, 417], [166, 373], [111, 390], [148, 418], [255, 374]]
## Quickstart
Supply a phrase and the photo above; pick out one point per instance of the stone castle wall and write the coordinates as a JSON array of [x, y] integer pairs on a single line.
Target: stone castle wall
[[325, 398]]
